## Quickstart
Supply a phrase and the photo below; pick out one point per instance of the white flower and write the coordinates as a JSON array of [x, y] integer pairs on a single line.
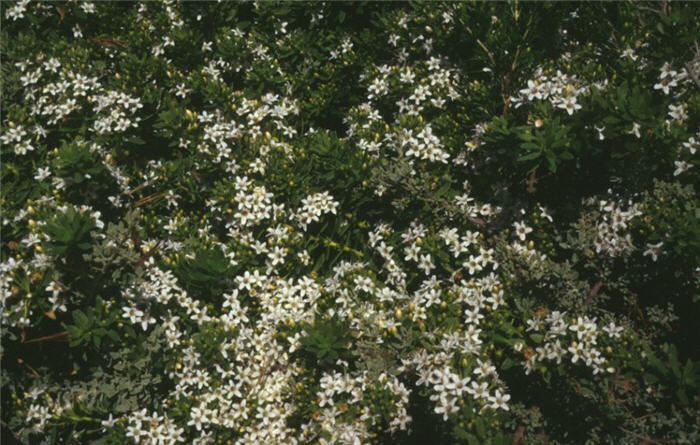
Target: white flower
[[474, 264], [653, 250], [196, 418], [426, 263], [681, 166], [133, 314], [23, 147], [692, 145], [665, 85], [613, 330], [499, 400], [446, 406], [576, 351], [88, 7], [412, 252], [544, 214], [599, 131], [42, 173], [182, 91], [479, 390], [522, 230], [677, 112], [629, 52], [276, 256], [17, 12], [635, 130], [304, 257], [569, 104], [393, 40]]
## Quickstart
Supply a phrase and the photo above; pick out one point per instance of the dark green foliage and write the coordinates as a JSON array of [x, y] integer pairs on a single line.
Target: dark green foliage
[[325, 342], [92, 326], [209, 79], [69, 234], [208, 272]]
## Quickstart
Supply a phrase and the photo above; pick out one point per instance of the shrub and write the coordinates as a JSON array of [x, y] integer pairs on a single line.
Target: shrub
[[348, 223]]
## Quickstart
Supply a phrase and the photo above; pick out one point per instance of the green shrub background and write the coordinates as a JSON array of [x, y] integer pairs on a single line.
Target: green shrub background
[[350, 222]]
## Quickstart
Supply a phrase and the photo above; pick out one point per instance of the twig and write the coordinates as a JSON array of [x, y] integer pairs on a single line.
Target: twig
[[646, 8], [149, 198], [56, 336], [513, 66], [481, 44], [61, 13], [152, 251], [32, 370], [645, 439], [137, 188], [693, 76], [108, 41], [488, 53], [531, 182], [594, 292], [518, 436]]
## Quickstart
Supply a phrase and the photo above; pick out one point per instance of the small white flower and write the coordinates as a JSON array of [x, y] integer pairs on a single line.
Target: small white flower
[[653, 250], [569, 104], [681, 166], [77, 32], [446, 406], [677, 112], [691, 145], [665, 85], [599, 132], [629, 52], [426, 263], [635, 130], [42, 173], [499, 400], [613, 330], [521, 230]]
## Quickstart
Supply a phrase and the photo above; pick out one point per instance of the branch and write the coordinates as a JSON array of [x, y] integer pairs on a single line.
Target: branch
[[531, 182], [518, 436], [57, 336], [481, 44], [645, 439], [32, 370], [693, 76], [594, 292]]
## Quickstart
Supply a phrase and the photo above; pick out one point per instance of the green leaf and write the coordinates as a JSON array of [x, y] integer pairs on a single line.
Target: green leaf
[[551, 159], [531, 146], [537, 338], [654, 362], [530, 156], [136, 140], [508, 363], [480, 428], [80, 319], [472, 440], [682, 396], [688, 374]]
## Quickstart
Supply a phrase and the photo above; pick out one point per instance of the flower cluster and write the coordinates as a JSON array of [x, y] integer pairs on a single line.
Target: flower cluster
[[559, 341], [559, 89], [273, 223], [612, 238]]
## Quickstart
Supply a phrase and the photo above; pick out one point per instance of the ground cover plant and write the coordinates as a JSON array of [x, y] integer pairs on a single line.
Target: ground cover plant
[[350, 222]]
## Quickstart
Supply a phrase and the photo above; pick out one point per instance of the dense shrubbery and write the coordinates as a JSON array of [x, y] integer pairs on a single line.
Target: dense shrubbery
[[350, 223]]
